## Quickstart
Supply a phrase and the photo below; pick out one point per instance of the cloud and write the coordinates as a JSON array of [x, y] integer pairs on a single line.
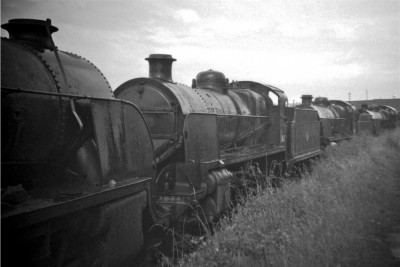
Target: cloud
[[298, 30], [187, 16], [298, 45]]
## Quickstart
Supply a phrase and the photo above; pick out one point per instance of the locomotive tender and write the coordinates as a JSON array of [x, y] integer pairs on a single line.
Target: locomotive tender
[[88, 172]]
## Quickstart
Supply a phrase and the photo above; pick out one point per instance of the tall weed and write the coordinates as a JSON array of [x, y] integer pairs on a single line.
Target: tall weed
[[336, 216]]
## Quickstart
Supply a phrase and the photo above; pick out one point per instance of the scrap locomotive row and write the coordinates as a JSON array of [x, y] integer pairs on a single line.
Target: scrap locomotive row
[[87, 173]]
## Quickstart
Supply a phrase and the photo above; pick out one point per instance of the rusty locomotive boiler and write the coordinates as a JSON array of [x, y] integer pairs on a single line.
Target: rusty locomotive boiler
[[92, 177]]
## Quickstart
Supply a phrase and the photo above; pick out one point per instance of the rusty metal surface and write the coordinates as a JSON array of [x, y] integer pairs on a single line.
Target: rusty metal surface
[[392, 111], [123, 140], [125, 236], [340, 128], [263, 89], [333, 129], [304, 133], [338, 119], [201, 144], [375, 115], [324, 112], [203, 141], [254, 103], [376, 120], [364, 126], [84, 77], [28, 68], [160, 66], [335, 125], [212, 80], [70, 149], [43, 125], [218, 190], [19, 64], [115, 212], [144, 93], [33, 31], [350, 108], [277, 127], [348, 112], [26, 134], [159, 107], [217, 103], [365, 123], [251, 130], [151, 95], [40, 210], [390, 116], [187, 98], [242, 154], [45, 175]]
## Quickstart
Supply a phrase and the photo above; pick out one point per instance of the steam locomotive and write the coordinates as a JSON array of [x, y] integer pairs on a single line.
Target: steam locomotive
[[77, 163], [340, 120], [88, 174]]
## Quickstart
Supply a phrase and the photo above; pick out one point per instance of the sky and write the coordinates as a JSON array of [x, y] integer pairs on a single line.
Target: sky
[[343, 49]]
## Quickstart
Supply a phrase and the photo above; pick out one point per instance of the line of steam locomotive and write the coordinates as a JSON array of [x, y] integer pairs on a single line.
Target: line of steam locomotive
[[89, 173]]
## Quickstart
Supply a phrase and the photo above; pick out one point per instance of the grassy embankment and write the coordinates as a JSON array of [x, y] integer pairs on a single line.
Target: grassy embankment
[[336, 216]]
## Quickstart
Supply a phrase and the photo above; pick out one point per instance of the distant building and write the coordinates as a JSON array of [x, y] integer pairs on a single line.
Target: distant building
[[393, 102]]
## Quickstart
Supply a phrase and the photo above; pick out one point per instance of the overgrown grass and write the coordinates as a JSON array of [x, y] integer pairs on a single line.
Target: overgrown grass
[[336, 216]]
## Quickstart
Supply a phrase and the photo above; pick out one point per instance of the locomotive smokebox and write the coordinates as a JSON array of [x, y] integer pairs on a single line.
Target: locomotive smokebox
[[306, 100], [160, 67], [32, 31]]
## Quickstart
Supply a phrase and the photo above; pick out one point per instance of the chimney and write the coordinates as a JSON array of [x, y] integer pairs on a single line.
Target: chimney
[[306, 100], [160, 67], [32, 31], [364, 106]]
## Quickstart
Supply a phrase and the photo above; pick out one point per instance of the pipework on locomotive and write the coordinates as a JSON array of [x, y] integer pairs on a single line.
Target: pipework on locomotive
[[90, 173]]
